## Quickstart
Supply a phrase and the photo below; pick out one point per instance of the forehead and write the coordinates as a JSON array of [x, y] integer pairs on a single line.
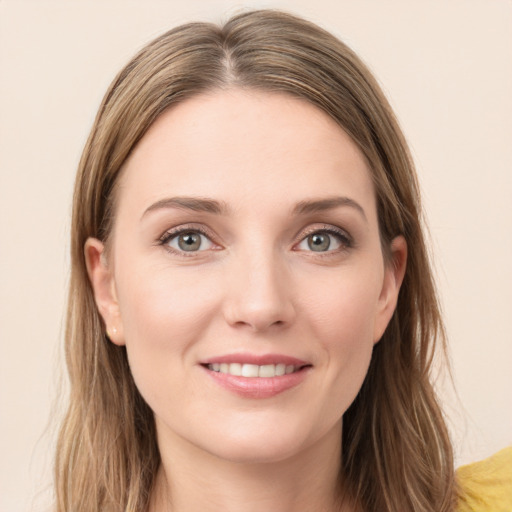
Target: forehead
[[245, 146]]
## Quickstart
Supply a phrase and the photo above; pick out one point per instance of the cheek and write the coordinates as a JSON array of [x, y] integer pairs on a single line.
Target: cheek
[[348, 339], [163, 315], [159, 304], [344, 308], [343, 318]]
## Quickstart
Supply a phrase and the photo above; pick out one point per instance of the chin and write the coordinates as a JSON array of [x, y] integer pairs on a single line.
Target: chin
[[261, 444], [261, 452]]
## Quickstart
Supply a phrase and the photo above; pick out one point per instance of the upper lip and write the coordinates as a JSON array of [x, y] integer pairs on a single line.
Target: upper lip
[[259, 360]]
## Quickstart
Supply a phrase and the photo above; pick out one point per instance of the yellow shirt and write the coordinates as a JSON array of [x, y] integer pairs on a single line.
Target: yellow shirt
[[486, 486]]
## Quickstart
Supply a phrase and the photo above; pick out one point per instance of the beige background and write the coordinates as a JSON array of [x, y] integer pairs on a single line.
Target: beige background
[[447, 68]]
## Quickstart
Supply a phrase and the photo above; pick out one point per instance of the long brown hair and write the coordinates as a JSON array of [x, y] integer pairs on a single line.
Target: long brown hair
[[396, 454]]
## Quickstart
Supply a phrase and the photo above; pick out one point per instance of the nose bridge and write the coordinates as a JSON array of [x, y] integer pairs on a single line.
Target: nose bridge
[[259, 292]]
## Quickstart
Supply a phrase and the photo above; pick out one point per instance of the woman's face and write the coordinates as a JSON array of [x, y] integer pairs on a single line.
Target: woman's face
[[246, 242]]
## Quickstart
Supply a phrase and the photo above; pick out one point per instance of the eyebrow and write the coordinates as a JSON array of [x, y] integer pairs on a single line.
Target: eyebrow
[[200, 204], [321, 205], [196, 204]]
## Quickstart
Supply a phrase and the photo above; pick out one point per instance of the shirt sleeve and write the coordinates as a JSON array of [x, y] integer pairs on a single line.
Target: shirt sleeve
[[486, 486]]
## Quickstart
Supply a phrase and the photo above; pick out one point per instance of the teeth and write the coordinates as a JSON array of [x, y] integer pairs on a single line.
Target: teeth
[[280, 369], [235, 369], [267, 370], [253, 370], [249, 370]]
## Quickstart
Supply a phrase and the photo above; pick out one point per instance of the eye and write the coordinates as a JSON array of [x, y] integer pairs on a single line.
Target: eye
[[324, 241], [187, 241]]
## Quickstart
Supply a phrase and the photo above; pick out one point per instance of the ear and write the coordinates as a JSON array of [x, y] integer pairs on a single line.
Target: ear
[[102, 281], [393, 276]]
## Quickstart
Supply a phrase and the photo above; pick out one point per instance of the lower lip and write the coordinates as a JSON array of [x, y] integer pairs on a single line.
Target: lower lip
[[258, 387]]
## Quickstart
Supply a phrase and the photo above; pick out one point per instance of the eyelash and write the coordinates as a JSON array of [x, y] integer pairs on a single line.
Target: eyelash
[[345, 240], [174, 233]]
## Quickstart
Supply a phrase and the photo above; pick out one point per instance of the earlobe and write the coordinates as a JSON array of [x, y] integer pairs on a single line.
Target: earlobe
[[102, 282], [394, 273]]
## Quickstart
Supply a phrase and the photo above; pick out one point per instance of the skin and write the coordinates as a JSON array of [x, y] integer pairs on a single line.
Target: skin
[[254, 287]]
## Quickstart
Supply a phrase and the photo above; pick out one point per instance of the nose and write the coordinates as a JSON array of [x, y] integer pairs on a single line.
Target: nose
[[259, 294]]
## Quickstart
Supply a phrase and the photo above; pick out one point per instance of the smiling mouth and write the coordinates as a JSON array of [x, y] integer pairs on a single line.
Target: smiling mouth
[[254, 370], [257, 376]]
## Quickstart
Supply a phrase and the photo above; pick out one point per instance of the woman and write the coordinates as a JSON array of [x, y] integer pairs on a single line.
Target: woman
[[253, 317]]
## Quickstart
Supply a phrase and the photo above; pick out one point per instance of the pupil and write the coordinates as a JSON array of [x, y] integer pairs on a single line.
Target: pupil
[[189, 241], [319, 242]]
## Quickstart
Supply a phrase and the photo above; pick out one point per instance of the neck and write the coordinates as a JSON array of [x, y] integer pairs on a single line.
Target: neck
[[191, 480]]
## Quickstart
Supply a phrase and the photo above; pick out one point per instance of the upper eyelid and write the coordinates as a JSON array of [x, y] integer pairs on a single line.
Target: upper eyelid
[[345, 240], [184, 228], [213, 237], [172, 233], [321, 227]]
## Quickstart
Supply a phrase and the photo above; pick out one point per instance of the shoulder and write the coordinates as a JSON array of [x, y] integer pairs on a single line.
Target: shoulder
[[486, 486]]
